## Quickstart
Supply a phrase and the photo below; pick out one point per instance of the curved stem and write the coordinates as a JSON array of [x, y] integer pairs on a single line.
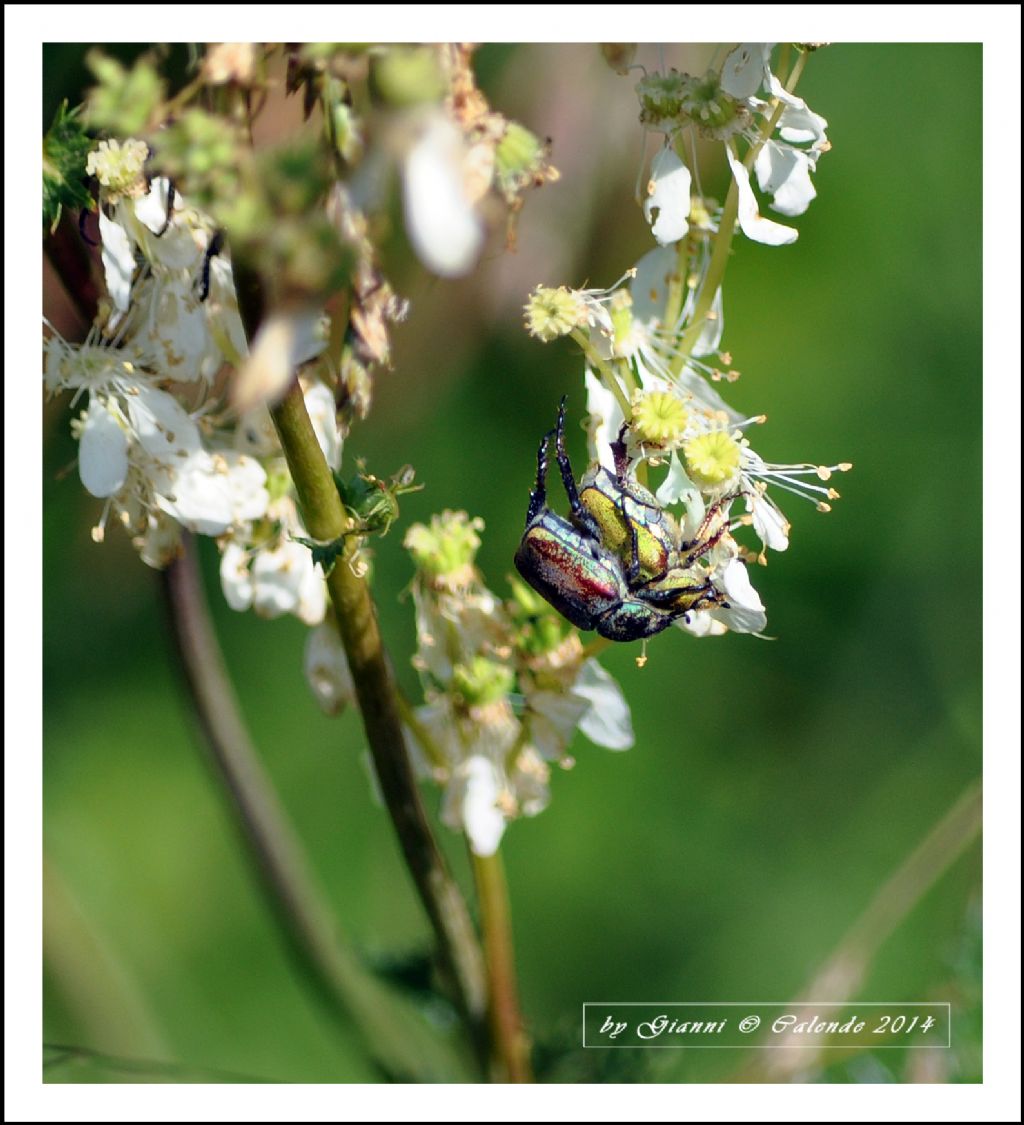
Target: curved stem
[[510, 1059], [726, 230], [404, 1044], [375, 689], [842, 975]]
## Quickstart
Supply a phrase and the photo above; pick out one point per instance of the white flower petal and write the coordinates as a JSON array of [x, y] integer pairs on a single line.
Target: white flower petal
[[178, 332], [471, 804], [162, 426], [798, 124], [607, 721], [745, 70], [676, 486], [246, 481], [668, 193], [529, 781], [752, 223], [649, 286], [327, 670], [440, 220], [710, 338], [102, 452], [746, 610], [554, 717], [118, 261], [225, 321], [278, 577], [255, 433], [235, 580], [312, 595], [151, 209], [161, 543], [324, 416], [605, 420], [785, 173], [193, 492], [283, 342], [700, 623], [770, 525]]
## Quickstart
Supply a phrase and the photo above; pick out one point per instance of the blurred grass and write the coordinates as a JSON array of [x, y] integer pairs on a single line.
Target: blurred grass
[[774, 785]]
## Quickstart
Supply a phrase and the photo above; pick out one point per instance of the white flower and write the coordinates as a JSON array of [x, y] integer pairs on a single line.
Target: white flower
[[667, 205], [606, 720], [102, 451], [440, 219], [160, 543], [746, 610], [798, 124], [745, 70], [273, 576], [235, 579], [729, 106], [286, 581], [208, 493], [471, 804], [285, 340], [553, 718], [605, 419], [753, 224], [784, 173], [324, 416], [327, 670], [118, 258]]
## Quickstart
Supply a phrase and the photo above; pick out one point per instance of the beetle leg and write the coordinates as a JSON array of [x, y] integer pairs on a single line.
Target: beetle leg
[[581, 517], [539, 495], [170, 209], [633, 573], [212, 250], [619, 454], [699, 545]]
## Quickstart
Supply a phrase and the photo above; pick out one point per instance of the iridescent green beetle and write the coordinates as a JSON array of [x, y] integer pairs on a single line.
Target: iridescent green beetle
[[592, 568]]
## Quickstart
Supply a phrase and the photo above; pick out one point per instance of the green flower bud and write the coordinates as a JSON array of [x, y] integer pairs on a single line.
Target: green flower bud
[[482, 681], [406, 76], [447, 547]]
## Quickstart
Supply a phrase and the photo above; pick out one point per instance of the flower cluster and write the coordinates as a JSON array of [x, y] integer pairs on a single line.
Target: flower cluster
[[159, 441], [506, 686], [652, 341], [174, 427], [743, 105]]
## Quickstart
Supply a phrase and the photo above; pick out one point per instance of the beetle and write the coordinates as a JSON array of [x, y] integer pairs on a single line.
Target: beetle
[[616, 564]]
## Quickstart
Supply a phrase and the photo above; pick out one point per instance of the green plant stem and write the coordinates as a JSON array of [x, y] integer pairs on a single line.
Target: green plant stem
[[726, 229], [375, 689], [510, 1059], [398, 1037], [843, 973], [604, 368], [712, 279]]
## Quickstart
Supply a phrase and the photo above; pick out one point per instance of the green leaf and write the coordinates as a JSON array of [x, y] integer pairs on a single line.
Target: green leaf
[[65, 153], [125, 101], [324, 554]]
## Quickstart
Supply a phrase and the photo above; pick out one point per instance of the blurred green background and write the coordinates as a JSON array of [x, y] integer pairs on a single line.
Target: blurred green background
[[774, 785]]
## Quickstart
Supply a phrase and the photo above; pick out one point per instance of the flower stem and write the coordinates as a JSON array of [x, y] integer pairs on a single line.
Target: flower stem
[[327, 963], [726, 229], [375, 689], [604, 369], [510, 1059]]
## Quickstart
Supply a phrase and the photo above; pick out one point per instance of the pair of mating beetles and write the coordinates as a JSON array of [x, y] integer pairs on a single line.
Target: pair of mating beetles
[[617, 564]]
